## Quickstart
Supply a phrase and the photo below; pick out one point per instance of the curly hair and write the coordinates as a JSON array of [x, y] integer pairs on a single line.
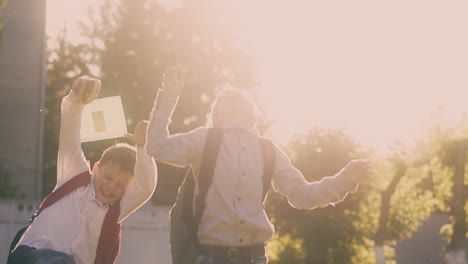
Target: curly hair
[[244, 105]]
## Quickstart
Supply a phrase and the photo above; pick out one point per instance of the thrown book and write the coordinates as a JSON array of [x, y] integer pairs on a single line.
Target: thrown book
[[103, 119]]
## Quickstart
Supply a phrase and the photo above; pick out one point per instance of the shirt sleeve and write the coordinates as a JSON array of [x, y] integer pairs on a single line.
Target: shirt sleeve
[[302, 194], [70, 158], [180, 149], [145, 180]]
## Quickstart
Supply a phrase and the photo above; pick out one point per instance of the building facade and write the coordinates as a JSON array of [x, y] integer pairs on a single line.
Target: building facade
[[22, 86]]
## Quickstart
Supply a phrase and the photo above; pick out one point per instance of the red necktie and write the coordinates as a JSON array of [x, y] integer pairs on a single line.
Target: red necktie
[[109, 239]]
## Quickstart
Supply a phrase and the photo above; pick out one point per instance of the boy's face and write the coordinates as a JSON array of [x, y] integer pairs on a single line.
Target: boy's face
[[111, 182], [234, 109]]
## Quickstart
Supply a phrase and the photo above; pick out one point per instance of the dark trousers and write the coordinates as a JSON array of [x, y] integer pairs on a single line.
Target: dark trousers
[[204, 259], [30, 255]]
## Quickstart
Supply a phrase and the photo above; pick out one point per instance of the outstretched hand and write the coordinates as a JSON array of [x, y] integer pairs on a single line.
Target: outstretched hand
[[357, 170], [173, 79], [86, 89], [139, 134]]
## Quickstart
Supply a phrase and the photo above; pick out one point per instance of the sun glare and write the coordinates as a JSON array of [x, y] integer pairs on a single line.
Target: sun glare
[[379, 70], [66, 14], [376, 69]]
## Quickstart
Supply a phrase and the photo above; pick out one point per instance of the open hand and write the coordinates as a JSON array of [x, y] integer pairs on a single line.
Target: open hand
[[173, 79], [139, 134], [86, 89]]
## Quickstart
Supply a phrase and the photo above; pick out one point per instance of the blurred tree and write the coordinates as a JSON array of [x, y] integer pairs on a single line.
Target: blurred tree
[[65, 62], [324, 233], [134, 42], [387, 208], [445, 145], [427, 187], [386, 195], [455, 158], [396, 204], [2, 5], [285, 247]]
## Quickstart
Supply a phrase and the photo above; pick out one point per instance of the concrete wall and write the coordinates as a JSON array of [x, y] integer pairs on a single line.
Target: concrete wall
[[22, 72], [145, 234]]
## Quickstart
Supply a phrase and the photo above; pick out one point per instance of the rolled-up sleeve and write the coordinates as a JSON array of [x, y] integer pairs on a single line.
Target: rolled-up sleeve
[[144, 184], [180, 149], [70, 158], [302, 194]]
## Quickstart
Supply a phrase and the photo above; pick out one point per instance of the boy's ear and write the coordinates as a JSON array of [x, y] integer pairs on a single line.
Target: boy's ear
[[95, 167]]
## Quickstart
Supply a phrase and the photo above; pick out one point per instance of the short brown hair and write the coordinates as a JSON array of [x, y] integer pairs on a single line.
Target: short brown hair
[[230, 91], [122, 154]]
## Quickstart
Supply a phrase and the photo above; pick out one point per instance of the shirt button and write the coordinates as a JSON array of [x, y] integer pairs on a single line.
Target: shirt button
[[241, 240]]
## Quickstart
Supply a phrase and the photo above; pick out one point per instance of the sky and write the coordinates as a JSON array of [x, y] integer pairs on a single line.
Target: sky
[[377, 69]]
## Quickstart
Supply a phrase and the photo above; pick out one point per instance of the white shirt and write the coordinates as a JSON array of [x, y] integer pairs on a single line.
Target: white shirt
[[234, 213], [73, 224]]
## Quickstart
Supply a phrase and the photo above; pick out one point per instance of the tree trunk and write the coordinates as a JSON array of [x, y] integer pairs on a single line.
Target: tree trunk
[[381, 233], [455, 253]]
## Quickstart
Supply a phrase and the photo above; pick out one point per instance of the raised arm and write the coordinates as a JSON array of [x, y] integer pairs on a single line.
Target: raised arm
[[302, 194], [145, 174], [178, 149], [70, 159]]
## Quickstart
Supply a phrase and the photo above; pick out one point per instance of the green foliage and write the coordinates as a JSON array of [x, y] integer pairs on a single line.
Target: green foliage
[[286, 247], [409, 208], [2, 5], [426, 188], [64, 64], [445, 145], [442, 184], [325, 233], [128, 45], [362, 248], [409, 205], [135, 41], [410, 202]]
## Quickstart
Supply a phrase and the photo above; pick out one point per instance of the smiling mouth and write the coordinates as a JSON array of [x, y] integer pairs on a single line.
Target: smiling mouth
[[106, 193]]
